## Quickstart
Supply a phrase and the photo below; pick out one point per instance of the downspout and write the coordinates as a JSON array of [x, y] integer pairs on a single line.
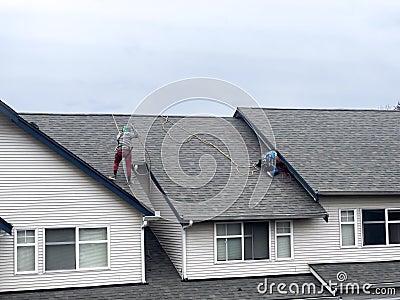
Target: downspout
[[145, 223], [143, 254], [184, 265]]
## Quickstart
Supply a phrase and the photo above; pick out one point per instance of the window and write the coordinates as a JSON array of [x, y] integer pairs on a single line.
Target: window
[[76, 248], [348, 228], [394, 226], [381, 226], [256, 240], [242, 241], [93, 248], [284, 237], [26, 251]]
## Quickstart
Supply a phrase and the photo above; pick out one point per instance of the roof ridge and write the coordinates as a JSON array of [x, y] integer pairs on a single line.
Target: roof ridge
[[323, 109], [119, 115]]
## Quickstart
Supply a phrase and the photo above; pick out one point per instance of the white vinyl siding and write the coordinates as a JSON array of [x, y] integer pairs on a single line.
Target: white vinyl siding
[[167, 229], [348, 227], [314, 241], [39, 189]]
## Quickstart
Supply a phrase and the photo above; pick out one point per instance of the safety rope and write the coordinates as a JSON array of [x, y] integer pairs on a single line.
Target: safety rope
[[115, 122], [252, 168], [146, 152]]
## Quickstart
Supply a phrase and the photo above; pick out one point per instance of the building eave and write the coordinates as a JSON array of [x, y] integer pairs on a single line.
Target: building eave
[[34, 131], [5, 226]]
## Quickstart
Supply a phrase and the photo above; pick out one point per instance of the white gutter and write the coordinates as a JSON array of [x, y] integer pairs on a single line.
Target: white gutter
[[184, 266], [146, 220]]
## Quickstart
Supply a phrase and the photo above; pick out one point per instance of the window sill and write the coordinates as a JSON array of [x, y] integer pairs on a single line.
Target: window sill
[[26, 273], [247, 261], [284, 259], [349, 247], [381, 246], [51, 272]]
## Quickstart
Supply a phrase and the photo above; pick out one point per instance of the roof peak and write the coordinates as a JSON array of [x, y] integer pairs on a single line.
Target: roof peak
[[321, 109]]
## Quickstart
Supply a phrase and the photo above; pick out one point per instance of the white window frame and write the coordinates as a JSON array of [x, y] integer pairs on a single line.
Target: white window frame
[[16, 245], [284, 234], [354, 223], [242, 236], [386, 222], [77, 242]]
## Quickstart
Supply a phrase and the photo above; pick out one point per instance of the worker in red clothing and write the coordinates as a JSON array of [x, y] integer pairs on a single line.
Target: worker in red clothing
[[124, 150]]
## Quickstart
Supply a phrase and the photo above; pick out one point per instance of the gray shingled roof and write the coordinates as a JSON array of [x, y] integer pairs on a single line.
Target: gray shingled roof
[[337, 150], [374, 273], [92, 138], [373, 280]]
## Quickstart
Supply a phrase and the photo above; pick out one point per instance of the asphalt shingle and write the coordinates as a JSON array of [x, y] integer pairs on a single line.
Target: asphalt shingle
[[200, 181], [337, 150]]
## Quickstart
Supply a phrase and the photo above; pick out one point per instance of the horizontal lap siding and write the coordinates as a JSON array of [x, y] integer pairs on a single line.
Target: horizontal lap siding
[[315, 241], [167, 230], [39, 189], [200, 259]]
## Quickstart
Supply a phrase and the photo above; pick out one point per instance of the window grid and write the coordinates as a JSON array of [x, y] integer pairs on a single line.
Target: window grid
[[228, 236], [278, 235], [89, 242], [23, 240], [386, 222], [242, 236], [348, 217], [389, 222], [77, 243]]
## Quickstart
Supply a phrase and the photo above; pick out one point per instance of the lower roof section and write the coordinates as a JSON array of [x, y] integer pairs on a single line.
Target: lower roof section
[[385, 274]]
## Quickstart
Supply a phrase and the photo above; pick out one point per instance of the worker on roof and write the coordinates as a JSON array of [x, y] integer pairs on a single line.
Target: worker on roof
[[270, 161], [124, 150]]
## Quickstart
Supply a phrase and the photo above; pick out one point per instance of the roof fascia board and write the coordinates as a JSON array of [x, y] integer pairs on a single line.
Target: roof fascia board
[[279, 217], [171, 206], [72, 158], [262, 137], [4, 225], [359, 193]]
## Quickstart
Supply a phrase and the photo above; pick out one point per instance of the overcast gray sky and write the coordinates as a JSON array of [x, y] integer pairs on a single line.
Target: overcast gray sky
[[106, 56]]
